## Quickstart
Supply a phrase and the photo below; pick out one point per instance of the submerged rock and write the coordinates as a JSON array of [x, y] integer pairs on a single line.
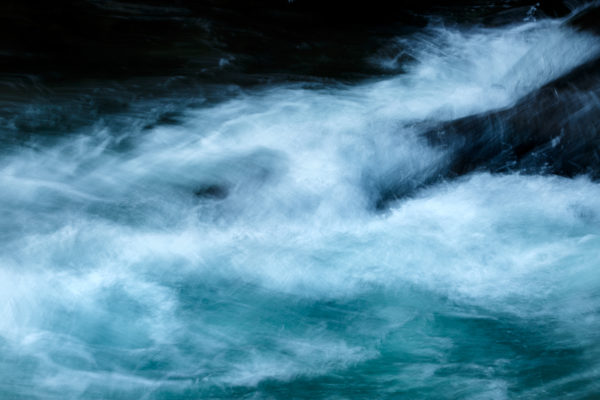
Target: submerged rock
[[212, 191]]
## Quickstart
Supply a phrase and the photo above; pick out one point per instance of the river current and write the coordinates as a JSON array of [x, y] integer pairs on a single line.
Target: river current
[[243, 251]]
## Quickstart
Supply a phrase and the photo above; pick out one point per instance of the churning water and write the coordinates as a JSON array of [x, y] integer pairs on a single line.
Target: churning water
[[241, 253]]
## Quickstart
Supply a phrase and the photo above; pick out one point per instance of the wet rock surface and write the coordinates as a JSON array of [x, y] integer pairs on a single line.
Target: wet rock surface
[[554, 130]]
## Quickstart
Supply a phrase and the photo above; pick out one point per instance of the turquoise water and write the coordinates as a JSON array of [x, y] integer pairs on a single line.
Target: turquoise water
[[235, 255]]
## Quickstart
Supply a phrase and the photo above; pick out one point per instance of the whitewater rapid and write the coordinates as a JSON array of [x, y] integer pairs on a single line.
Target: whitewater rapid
[[239, 253]]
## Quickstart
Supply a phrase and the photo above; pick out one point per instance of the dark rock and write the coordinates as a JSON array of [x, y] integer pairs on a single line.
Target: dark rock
[[554, 130], [212, 191]]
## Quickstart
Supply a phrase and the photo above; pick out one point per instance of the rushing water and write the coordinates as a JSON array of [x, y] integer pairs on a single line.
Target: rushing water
[[239, 253]]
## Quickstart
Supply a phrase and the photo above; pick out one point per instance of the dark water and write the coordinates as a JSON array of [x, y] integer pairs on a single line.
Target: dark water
[[287, 200]]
